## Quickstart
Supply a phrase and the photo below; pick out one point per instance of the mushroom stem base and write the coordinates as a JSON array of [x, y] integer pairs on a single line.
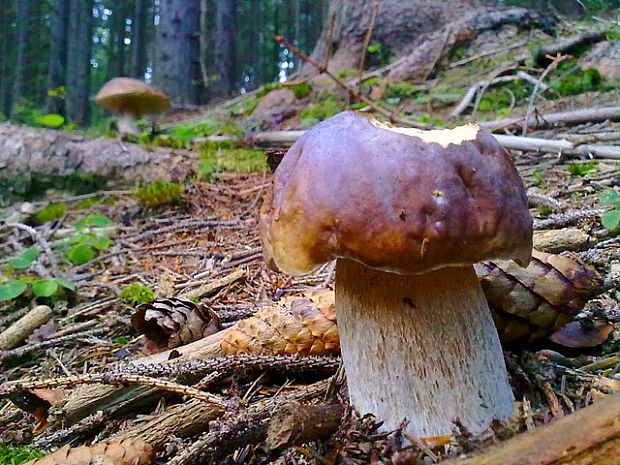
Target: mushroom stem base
[[127, 125], [421, 347]]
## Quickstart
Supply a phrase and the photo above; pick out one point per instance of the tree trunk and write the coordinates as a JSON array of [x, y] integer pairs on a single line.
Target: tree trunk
[[398, 27], [177, 70], [225, 39], [78, 60], [117, 67], [6, 47], [31, 158], [23, 18], [138, 40], [56, 77]]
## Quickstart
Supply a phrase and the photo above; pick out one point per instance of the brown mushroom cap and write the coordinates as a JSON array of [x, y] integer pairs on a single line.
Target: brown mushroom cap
[[127, 95], [406, 203]]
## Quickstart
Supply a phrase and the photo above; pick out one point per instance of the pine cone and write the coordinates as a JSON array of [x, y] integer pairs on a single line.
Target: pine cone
[[533, 302], [125, 452], [169, 323]]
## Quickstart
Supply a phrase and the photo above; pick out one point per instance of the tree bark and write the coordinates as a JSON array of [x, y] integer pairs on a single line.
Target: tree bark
[[23, 18], [138, 40], [590, 436], [78, 60], [177, 70], [56, 76], [225, 39], [30, 156], [398, 27]]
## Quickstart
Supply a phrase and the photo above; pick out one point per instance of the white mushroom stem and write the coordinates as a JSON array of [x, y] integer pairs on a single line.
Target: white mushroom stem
[[127, 124], [421, 347]]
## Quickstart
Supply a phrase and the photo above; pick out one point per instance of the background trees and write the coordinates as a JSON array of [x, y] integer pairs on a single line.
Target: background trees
[[55, 54]]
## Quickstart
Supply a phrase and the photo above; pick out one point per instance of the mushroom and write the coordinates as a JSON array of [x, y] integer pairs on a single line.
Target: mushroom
[[406, 214], [131, 99]]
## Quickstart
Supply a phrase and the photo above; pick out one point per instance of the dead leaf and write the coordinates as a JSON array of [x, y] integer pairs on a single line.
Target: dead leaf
[[576, 335]]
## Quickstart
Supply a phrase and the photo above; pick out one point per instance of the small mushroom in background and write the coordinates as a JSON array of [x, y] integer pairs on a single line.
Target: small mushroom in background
[[131, 99], [406, 213]]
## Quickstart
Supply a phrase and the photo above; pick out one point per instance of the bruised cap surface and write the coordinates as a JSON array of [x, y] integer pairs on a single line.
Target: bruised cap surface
[[395, 199], [127, 95]]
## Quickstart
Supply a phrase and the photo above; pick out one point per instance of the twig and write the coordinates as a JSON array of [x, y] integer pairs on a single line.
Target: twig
[[114, 378], [389, 114], [24, 327], [530, 106], [374, 8], [487, 53]]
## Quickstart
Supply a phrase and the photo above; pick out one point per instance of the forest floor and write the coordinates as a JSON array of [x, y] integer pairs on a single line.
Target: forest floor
[[121, 248]]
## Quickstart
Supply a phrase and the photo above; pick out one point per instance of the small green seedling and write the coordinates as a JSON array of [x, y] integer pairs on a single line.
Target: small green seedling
[[88, 242], [539, 178], [611, 218]]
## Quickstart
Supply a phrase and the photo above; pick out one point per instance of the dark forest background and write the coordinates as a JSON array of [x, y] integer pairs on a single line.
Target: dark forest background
[[56, 54]]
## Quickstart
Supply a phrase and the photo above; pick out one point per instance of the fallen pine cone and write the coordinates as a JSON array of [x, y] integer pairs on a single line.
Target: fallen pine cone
[[534, 302], [169, 323], [125, 452]]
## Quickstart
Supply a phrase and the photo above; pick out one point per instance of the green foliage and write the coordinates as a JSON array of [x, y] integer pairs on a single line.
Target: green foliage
[[52, 212], [611, 218], [301, 90], [544, 210], [401, 89], [539, 178], [216, 160], [345, 73], [266, 88], [160, 194], [89, 242], [12, 288], [121, 340], [328, 106], [575, 81], [432, 120], [136, 294], [582, 169], [181, 135], [49, 120], [16, 455], [25, 259]]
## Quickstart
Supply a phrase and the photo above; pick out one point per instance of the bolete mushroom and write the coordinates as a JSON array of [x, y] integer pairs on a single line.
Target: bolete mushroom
[[131, 99], [406, 214]]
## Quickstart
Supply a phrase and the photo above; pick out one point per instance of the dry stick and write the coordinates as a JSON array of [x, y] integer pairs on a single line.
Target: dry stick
[[568, 44], [212, 287], [487, 53], [591, 435], [295, 424], [113, 378], [373, 17], [23, 350], [530, 106], [243, 427], [22, 328], [389, 114]]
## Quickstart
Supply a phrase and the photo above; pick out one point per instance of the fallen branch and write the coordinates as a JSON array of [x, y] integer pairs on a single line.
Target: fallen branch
[[591, 435], [568, 44], [22, 328]]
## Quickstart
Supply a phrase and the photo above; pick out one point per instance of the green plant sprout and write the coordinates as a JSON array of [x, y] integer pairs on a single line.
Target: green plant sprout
[[611, 218]]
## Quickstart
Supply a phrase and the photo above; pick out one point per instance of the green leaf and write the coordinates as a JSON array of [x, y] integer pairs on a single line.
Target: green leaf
[[609, 197], [374, 48], [64, 282], [50, 120], [611, 219], [44, 287], [25, 259], [95, 220], [101, 243], [12, 289], [80, 254]]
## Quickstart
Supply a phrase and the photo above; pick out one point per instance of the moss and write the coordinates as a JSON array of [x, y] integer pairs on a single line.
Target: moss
[[136, 294], [345, 73], [53, 212], [575, 80], [328, 106], [160, 193], [28, 187], [432, 120], [582, 169], [401, 89], [16, 455], [266, 88], [216, 160], [301, 90]]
